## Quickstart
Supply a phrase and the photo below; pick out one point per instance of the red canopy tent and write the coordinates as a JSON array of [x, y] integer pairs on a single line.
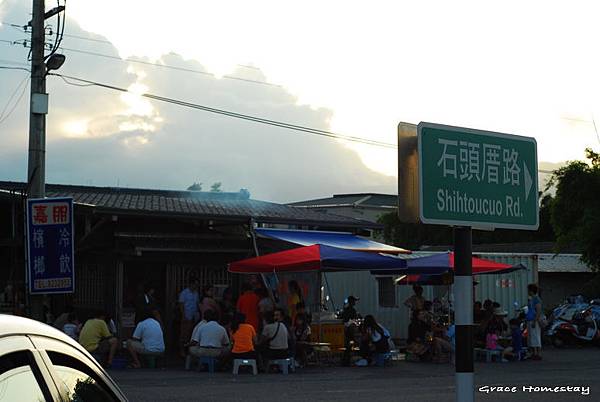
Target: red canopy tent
[[319, 257], [480, 267]]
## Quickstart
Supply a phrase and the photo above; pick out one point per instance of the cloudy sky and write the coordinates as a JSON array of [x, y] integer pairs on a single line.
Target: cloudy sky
[[355, 68]]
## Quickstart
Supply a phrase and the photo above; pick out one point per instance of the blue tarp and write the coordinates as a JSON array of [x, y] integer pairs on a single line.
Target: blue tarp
[[334, 239]]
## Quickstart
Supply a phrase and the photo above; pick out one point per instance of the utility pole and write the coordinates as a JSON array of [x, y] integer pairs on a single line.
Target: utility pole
[[36, 166], [463, 315]]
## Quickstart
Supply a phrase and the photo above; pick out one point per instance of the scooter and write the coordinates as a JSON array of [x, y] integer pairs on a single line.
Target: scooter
[[581, 330]]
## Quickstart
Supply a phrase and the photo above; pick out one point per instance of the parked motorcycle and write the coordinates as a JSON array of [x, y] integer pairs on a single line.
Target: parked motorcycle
[[565, 313], [582, 329]]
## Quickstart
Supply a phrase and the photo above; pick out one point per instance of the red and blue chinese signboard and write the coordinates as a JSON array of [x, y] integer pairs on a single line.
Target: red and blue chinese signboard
[[51, 268]]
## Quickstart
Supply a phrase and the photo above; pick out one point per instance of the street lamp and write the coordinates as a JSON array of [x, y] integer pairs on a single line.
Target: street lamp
[[55, 61]]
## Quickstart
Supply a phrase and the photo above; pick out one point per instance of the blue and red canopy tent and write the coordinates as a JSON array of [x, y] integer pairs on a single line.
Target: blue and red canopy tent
[[427, 276], [319, 257]]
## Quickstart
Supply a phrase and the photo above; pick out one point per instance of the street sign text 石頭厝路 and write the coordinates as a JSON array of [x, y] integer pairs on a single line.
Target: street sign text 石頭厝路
[[477, 178]]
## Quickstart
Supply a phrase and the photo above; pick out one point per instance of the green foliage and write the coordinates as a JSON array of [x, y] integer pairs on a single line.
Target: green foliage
[[216, 188], [575, 212], [413, 236], [591, 290], [195, 187]]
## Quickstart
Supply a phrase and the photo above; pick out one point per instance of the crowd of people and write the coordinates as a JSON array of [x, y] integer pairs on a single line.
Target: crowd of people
[[371, 338], [431, 336], [494, 333], [252, 326]]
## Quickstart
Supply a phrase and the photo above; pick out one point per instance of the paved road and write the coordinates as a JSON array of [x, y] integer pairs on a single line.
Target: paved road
[[404, 382]]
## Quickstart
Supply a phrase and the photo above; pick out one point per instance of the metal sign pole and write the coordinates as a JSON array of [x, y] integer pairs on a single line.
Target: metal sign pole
[[463, 285]]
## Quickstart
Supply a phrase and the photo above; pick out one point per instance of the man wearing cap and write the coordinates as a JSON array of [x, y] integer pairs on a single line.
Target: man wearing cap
[[349, 312]]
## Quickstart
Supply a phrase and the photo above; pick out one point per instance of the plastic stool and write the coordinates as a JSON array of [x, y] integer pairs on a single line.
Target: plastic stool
[[382, 358], [237, 363], [151, 360], [210, 362], [284, 364]]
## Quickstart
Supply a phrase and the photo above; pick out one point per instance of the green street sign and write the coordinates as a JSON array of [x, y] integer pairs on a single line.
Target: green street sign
[[477, 178]]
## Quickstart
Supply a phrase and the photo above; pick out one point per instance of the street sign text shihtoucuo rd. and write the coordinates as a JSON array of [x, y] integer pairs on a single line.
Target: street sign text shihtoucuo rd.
[[477, 178]]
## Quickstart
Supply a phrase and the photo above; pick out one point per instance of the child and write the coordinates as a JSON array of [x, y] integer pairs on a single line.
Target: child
[[72, 326], [514, 350], [491, 340], [301, 333]]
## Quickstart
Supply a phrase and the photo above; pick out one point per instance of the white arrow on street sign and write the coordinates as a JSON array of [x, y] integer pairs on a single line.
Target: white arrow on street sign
[[528, 181]]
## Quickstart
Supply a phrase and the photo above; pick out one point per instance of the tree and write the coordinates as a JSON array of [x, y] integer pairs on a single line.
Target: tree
[[245, 193], [413, 235], [574, 214], [195, 187], [216, 187]]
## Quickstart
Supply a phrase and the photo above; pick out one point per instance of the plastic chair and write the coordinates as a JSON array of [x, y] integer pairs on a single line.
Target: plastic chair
[[150, 360], [211, 362], [188, 361], [284, 364], [381, 358], [237, 363]]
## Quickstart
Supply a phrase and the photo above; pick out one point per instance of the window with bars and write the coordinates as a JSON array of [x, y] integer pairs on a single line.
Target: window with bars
[[89, 285], [386, 292]]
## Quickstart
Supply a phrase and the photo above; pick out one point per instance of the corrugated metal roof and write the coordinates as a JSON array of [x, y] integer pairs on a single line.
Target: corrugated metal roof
[[561, 263], [191, 203], [359, 199]]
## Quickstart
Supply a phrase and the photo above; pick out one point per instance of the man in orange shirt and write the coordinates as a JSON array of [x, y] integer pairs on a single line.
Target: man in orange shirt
[[248, 305]]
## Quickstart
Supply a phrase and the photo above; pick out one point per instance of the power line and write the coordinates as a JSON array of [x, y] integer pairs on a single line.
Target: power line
[[4, 117], [17, 63], [167, 66], [110, 43], [24, 28], [14, 68], [228, 113], [74, 83], [148, 63], [595, 128], [592, 121]]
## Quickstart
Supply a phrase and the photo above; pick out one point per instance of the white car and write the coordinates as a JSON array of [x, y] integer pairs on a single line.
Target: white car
[[40, 363]]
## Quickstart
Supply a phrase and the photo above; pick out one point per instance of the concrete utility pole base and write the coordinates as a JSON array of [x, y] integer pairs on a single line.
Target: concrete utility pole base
[[463, 315]]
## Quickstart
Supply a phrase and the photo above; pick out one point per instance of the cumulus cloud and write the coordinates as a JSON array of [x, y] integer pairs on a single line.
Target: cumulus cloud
[[104, 137]]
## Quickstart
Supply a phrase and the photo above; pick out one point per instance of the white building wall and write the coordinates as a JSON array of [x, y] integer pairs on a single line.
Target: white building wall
[[505, 289], [364, 285]]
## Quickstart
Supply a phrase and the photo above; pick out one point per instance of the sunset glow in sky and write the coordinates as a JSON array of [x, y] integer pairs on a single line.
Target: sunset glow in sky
[[354, 68], [524, 68]]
